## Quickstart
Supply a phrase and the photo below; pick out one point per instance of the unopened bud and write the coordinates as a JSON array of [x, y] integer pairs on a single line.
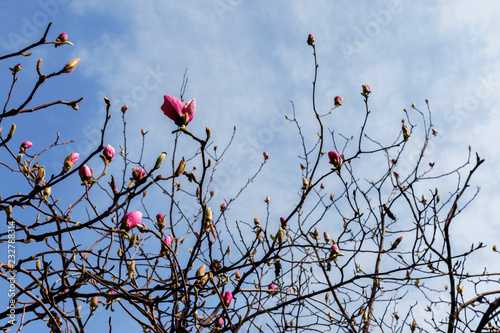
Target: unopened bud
[[94, 303], [71, 65], [11, 132], [131, 269], [208, 215], [160, 159], [180, 168]]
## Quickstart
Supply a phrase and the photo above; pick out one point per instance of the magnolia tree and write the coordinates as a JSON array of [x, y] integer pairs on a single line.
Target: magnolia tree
[[376, 253]]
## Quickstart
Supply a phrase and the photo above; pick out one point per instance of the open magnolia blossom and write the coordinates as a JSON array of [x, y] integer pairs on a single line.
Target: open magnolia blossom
[[180, 113], [335, 159]]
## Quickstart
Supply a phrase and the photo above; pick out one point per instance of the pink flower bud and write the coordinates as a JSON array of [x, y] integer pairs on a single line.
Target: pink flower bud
[[62, 37], [282, 220], [396, 174], [310, 40], [160, 220], [138, 174], [335, 159], [322, 186], [266, 156], [394, 161], [302, 166], [26, 144], [272, 287], [109, 152], [85, 173], [366, 89], [335, 249], [219, 322], [222, 207], [431, 164], [227, 297], [166, 244], [180, 113], [124, 108], [69, 161], [338, 100], [131, 220], [434, 132]]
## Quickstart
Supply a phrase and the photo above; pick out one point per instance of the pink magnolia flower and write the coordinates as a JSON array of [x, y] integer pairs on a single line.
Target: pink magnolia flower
[[138, 174], [310, 39], [282, 220], [272, 287], [338, 100], [26, 144], [227, 297], [335, 158], [109, 152], [335, 249], [180, 113], [219, 322], [266, 156], [85, 173], [131, 220]]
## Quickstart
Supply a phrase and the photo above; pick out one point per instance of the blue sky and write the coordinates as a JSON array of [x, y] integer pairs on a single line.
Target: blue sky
[[248, 59]]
